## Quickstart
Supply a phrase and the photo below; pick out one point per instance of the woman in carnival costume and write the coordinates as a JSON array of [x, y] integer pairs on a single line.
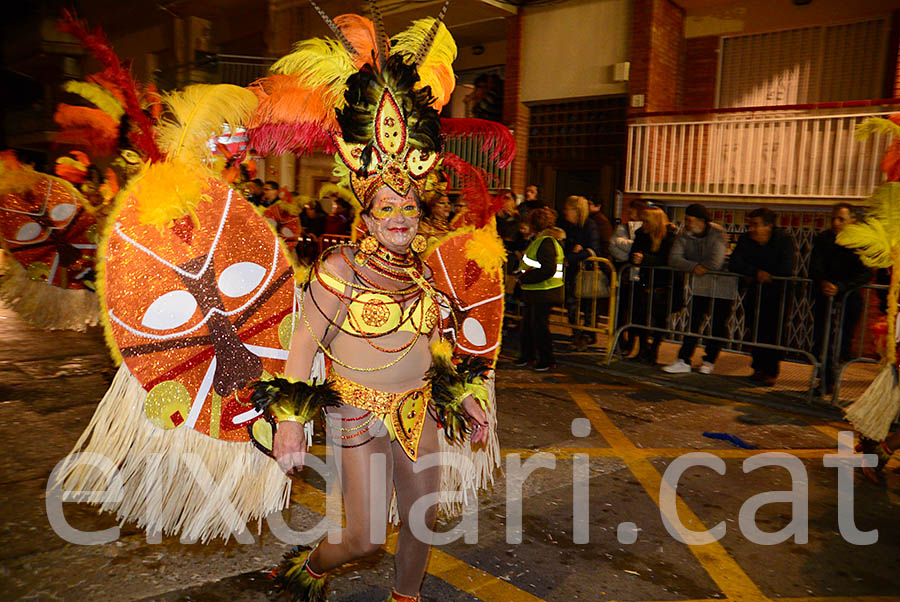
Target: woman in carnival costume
[[408, 354], [877, 241]]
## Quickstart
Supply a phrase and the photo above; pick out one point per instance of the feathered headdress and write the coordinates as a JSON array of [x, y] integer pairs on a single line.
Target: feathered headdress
[[115, 94], [376, 104]]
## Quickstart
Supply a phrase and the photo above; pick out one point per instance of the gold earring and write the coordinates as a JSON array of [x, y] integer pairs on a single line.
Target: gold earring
[[367, 247], [419, 243]]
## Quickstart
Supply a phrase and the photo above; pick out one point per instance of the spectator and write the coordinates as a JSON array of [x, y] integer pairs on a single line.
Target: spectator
[[623, 236], [542, 288], [531, 202], [269, 194], [762, 253], [582, 241], [836, 270], [620, 251], [340, 219], [313, 219], [651, 248], [700, 249], [255, 191], [508, 217], [604, 228]]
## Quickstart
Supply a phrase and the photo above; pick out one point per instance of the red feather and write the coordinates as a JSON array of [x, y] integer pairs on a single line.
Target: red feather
[[299, 138], [142, 133], [482, 206], [496, 139]]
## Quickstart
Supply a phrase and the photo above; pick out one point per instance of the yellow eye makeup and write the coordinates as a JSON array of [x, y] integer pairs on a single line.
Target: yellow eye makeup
[[387, 211]]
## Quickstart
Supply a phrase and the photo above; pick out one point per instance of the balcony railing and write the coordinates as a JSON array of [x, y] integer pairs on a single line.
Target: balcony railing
[[469, 149], [799, 154]]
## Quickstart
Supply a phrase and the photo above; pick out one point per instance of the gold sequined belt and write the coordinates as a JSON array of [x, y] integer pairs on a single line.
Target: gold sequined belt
[[402, 413]]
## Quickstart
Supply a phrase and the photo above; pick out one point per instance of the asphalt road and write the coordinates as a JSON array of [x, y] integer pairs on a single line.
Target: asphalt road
[[617, 436]]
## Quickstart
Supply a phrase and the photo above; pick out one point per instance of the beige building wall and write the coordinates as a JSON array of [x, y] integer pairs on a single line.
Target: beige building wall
[[754, 16], [569, 49]]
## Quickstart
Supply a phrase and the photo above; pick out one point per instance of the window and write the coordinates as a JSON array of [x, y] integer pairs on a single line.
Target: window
[[805, 65]]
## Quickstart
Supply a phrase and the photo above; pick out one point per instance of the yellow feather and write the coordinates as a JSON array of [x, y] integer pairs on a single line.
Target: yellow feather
[[875, 125], [436, 69], [16, 177], [197, 114], [329, 188], [486, 249], [319, 62], [875, 238], [169, 190], [99, 96], [442, 349]]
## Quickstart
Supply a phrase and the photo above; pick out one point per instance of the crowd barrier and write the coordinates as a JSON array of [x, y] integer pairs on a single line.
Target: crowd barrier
[[665, 296], [864, 346]]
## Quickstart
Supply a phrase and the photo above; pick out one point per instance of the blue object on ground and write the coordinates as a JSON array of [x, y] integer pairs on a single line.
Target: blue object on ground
[[732, 439]]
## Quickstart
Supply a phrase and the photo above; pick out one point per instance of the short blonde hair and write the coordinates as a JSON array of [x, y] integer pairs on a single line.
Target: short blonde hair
[[580, 204]]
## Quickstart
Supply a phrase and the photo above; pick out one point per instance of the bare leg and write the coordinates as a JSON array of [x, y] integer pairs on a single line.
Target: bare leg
[[365, 473], [412, 553]]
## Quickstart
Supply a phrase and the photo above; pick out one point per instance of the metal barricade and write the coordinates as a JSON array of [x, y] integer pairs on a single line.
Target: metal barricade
[[596, 285], [596, 289], [862, 349], [663, 306]]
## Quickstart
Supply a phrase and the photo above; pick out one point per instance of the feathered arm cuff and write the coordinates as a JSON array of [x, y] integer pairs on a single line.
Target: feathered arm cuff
[[453, 381], [287, 399]]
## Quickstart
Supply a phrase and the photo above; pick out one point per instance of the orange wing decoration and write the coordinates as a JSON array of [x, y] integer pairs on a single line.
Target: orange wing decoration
[[476, 295], [49, 233], [200, 309]]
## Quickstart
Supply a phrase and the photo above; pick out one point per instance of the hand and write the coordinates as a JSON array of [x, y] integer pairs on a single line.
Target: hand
[[828, 289], [763, 277], [289, 446], [577, 249], [477, 419], [699, 270], [637, 258]]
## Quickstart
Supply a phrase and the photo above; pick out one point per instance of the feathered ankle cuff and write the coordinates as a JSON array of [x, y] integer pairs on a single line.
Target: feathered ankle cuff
[[294, 577]]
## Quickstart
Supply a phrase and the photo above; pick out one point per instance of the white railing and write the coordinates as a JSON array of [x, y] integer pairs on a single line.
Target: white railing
[[795, 155], [469, 149]]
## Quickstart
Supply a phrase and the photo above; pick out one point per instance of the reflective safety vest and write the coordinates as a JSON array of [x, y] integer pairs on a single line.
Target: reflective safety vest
[[531, 260]]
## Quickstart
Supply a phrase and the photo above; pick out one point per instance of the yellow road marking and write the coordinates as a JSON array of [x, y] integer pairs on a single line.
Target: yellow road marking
[[564, 453], [721, 567]]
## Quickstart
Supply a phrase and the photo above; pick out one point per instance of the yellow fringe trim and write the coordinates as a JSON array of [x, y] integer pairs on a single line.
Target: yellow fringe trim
[[43, 305], [168, 499]]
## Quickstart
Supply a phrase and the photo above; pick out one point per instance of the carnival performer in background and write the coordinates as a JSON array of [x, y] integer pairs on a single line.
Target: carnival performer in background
[[379, 313]]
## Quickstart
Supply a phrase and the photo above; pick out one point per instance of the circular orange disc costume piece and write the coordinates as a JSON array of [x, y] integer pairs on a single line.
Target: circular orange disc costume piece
[[476, 294], [199, 309], [48, 231]]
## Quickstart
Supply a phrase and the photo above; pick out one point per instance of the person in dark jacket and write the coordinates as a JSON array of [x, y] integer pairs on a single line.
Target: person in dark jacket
[[652, 246], [699, 249], [836, 270], [762, 252], [604, 228], [582, 241], [542, 288]]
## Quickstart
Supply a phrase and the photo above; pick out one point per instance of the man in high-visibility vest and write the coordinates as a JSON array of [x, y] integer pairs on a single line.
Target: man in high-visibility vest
[[542, 288]]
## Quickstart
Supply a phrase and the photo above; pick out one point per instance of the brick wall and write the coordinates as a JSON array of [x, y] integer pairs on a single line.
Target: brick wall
[[701, 62], [657, 54], [515, 114]]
